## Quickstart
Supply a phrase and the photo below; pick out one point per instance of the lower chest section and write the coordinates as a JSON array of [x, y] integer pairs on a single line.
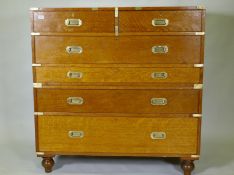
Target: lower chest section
[[118, 135]]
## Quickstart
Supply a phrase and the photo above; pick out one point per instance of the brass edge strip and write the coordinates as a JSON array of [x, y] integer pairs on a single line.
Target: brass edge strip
[[35, 33], [116, 12], [199, 33], [36, 65], [138, 8], [197, 115], [38, 113], [37, 85], [95, 8], [198, 65], [40, 153], [116, 31], [197, 86], [34, 8], [116, 21], [195, 156], [201, 7]]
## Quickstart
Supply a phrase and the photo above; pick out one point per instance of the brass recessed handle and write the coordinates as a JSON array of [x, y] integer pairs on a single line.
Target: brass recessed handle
[[71, 74], [158, 135], [160, 49], [72, 22], [159, 75], [158, 101], [74, 49], [160, 22], [76, 134], [75, 100]]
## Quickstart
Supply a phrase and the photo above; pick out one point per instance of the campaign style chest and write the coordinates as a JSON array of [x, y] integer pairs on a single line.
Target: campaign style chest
[[118, 82]]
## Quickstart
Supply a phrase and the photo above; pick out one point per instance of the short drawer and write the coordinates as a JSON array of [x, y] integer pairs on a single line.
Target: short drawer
[[124, 49], [73, 21], [117, 75], [160, 21], [118, 101], [117, 135]]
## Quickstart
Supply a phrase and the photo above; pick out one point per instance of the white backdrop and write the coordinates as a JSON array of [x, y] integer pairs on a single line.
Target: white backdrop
[[16, 100]]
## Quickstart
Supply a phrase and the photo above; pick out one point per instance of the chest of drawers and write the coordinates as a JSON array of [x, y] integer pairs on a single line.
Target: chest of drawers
[[118, 82]]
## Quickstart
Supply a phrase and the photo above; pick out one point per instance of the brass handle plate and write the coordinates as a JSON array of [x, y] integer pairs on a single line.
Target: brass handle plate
[[160, 22], [159, 75], [72, 74], [76, 134], [158, 101], [74, 49], [75, 100], [159, 49], [158, 135], [73, 22]]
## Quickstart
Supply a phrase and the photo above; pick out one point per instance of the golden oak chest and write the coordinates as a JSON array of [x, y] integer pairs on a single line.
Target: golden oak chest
[[118, 82]]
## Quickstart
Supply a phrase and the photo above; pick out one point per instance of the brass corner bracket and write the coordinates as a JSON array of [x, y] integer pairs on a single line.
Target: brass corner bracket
[[40, 153], [197, 86], [199, 33], [36, 65], [195, 156], [197, 115], [198, 65], [34, 8], [35, 33], [38, 113], [37, 85]]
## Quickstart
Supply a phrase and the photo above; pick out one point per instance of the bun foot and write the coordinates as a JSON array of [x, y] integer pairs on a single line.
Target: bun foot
[[187, 166], [48, 164]]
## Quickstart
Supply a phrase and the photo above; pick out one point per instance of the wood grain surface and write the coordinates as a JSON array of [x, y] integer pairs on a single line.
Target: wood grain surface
[[124, 49], [118, 101], [115, 75], [179, 21], [117, 135], [92, 21]]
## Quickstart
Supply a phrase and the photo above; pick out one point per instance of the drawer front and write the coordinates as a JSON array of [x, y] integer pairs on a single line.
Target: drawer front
[[74, 21], [125, 49], [117, 75], [160, 21], [75, 134], [118, 101]]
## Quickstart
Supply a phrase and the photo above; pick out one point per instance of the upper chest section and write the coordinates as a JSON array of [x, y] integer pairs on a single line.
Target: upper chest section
[[127, 20]]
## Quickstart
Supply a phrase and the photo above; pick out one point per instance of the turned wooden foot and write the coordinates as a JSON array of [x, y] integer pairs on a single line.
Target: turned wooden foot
[[187, 166], [47, 163]]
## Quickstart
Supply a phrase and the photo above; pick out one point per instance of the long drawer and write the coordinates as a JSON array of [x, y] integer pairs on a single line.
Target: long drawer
[[116, 135], [74, 21], [118, 101], [157, 21], [117, 75], [124, 49]]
